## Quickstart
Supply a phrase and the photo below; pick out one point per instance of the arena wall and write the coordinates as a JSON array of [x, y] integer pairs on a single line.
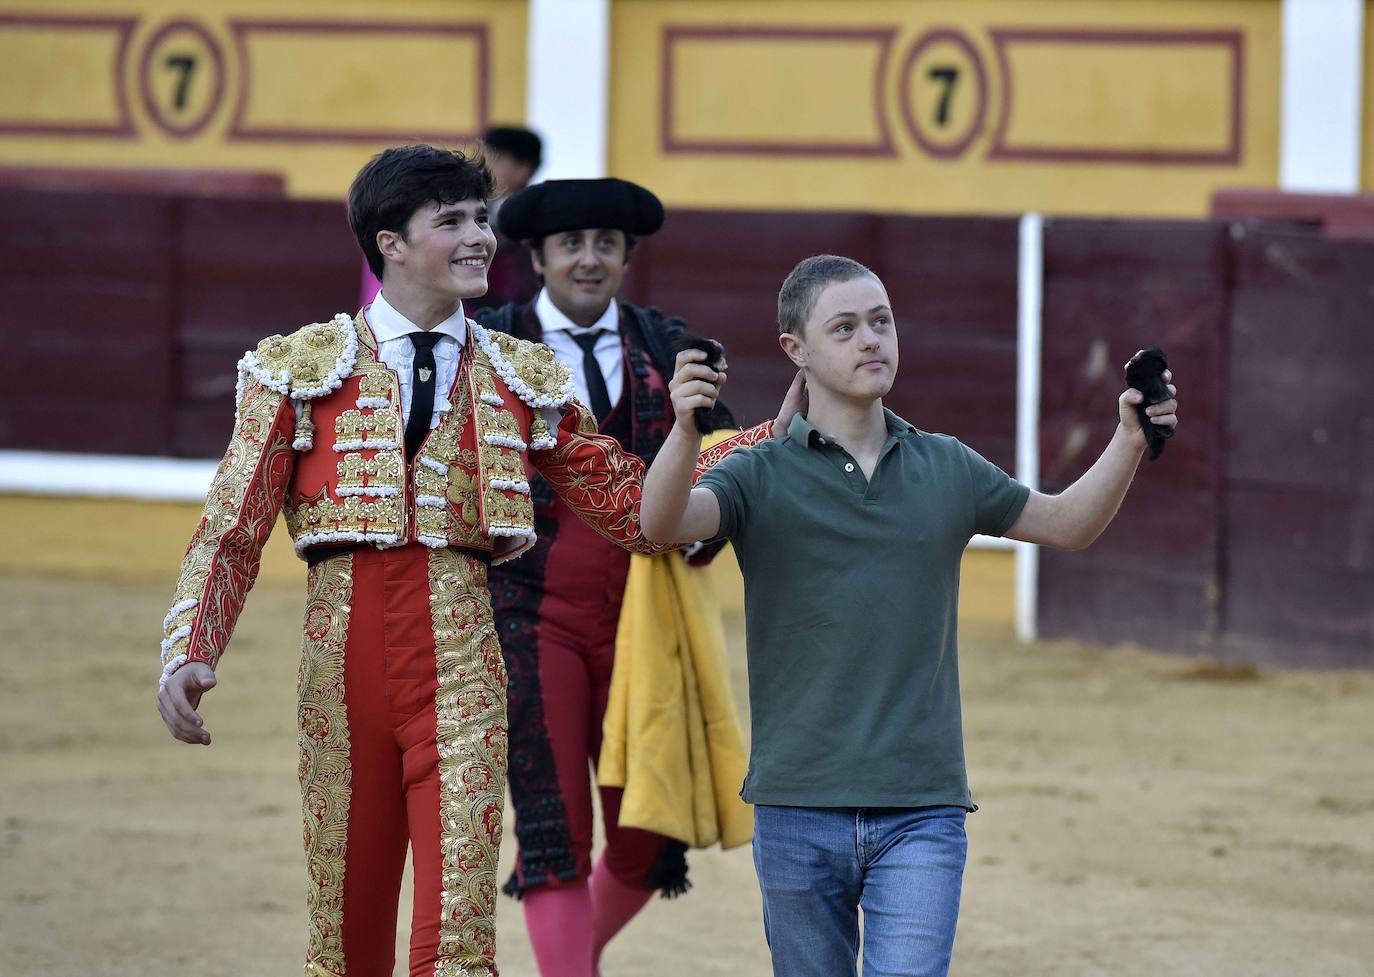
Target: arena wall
[[1252, 538]]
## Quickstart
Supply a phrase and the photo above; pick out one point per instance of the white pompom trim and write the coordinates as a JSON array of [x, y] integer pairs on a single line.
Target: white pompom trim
[[433, 542], [340, 536], [490, 399], [432, 501], [302, 444], [250, 365], [372, 402], [378, 444], [522, 487], [543, 444], [170, 641], [504, 442], [370, 490], [521, 531], [512, 379], [433, 465], [177, 610], [168, 669]]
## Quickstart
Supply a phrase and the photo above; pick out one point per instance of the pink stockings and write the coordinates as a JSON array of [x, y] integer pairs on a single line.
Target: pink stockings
[[571, 924]]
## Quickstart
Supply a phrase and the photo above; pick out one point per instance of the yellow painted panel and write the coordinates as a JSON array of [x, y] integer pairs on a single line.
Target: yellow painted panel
[[1146, 110], [312, 100], [47, 68], [305, 80], [1105, 94], [747, 89]]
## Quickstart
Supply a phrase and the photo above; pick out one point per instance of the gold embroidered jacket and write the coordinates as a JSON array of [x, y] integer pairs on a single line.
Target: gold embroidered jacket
[[319, 433]]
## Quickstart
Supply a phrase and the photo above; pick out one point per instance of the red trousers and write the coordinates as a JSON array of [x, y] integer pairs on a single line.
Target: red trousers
[[403, 740]]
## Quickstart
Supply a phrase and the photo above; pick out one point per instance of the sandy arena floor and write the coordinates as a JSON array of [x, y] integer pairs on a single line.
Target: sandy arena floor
[[1141, 816]]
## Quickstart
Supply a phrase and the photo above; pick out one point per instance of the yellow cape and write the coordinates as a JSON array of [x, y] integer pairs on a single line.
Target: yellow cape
[[672, 735]]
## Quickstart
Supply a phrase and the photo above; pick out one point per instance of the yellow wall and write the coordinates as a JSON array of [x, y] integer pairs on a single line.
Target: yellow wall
[[305, 89], [1070, 106]]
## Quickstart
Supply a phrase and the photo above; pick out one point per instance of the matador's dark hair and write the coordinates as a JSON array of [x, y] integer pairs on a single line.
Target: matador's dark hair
[[398, 181]]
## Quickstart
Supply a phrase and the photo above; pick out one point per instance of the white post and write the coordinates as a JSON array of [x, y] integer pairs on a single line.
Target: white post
[[1031, 278], [567, 85], [1322, 100]]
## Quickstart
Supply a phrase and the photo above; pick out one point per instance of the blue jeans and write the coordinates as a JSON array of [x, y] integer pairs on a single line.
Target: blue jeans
[[818, 866]]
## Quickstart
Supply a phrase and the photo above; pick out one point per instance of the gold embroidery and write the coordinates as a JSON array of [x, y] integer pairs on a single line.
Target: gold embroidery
[[381, 424], [308, 355], [498, 420], [305, 428], [383, 470], [366, 341], [505, 508], [324, 762], [534, 363], [470, 707], [455, 521], [235, 503], [375, 383], [353, 515], [539, 430], [463, 492]]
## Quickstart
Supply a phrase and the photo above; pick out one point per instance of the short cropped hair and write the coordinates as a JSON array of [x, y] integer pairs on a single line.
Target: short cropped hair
[[398, 181], [804, 285]]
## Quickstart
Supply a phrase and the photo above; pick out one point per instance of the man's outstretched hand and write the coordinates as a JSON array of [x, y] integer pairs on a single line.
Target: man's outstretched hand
[[178, 700], [1163, 415], [695, 386]]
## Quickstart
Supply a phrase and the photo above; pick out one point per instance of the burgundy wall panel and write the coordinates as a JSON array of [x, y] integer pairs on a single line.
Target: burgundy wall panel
[[721, 271], [952, 283], [86, 277], [1111, 288], [250, 268], [1300, 465]]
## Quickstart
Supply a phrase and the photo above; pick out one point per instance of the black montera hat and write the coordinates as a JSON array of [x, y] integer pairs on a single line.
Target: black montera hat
[[573, 205]]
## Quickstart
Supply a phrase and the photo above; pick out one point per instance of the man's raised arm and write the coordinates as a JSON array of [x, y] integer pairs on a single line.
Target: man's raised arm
[[672, 511], [1075, 517]]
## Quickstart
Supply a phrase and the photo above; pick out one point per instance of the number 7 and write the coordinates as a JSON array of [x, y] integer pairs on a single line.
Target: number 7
[[186, 64], [948, 76]]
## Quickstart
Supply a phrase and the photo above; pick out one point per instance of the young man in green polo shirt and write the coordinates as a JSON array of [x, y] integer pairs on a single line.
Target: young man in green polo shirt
[[849, 529]]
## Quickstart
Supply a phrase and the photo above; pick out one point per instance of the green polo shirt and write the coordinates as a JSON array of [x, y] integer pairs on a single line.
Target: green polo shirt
[[851, 593]]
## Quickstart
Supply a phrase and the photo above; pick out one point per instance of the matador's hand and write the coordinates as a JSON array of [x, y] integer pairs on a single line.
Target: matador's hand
[[793, 403], [178, 699]]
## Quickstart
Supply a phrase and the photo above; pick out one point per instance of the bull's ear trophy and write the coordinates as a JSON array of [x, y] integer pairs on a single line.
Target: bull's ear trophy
[[1145, 372], [715, 359]]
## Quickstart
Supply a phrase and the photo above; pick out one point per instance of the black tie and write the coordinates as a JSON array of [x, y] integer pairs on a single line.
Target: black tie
[[422, 381], [596, 383]]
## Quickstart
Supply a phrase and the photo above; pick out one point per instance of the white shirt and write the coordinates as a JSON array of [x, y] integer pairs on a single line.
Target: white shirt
[[559, 331], [395, 349]]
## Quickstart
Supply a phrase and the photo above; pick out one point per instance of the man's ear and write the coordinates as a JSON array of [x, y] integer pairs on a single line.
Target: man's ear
[[392, 245], [794, 349]]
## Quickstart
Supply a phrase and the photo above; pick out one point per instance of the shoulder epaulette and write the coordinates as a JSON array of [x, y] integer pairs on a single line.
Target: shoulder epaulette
[[530, 370], [309, 363]]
